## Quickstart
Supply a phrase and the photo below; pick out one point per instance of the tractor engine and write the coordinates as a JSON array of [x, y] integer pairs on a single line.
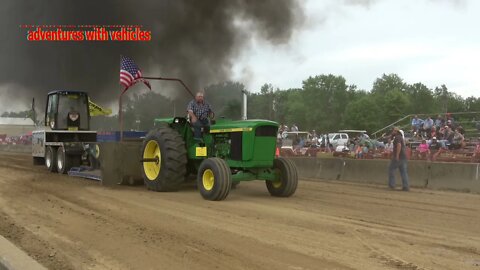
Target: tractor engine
[[222, 145]]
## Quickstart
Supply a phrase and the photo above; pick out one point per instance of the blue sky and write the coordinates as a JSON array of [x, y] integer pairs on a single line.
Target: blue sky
[[428, 41]]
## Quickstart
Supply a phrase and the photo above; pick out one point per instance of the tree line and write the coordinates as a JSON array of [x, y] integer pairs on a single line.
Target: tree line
[[326, 103]]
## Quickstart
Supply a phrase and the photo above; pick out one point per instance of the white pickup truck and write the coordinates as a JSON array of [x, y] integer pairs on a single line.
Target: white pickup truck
[[342, 137]]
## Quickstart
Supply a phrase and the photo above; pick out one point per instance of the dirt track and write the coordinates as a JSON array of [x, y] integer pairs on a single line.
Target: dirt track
[[69, 223]]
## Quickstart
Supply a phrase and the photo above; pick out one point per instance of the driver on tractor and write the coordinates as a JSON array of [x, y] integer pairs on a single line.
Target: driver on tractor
[[199, 112]]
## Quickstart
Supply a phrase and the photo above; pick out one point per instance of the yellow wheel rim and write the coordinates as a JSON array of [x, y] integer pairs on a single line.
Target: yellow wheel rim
[[152, 169], [277, 184], [278, 181], [208, 179]]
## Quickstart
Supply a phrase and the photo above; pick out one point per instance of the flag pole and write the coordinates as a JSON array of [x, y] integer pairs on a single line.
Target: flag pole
[[171, 79], [131, 67], [120, 113]]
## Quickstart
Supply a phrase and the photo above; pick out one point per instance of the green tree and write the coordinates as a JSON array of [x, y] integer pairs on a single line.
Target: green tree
[[390, 93], [472, 104], [421, 99], [281, 104], [363, 113], [297, 111], [325, 97], [440, 95], [261, 105], [395, 105], [388, 83]]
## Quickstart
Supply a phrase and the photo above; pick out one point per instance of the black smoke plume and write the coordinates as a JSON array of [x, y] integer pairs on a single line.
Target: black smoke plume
[[193, 40]]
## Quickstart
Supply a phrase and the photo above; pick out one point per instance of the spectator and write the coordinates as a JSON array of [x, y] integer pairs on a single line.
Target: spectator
[[294, 128], [435, 144], [279, 135], [416, 123], [435, 147], [364, 151], [300, 143], [321, 140], [314, 137], [458, 140], [327, 143], [441, 133], [359, 151], [439, 122], [427, 127], [450, 124], [450, 120], [398, 161], [448, 134], [423, 149], [476, 153]]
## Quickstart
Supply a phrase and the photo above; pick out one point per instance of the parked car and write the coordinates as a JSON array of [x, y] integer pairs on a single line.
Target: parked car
[[338, 139], [343, 140]]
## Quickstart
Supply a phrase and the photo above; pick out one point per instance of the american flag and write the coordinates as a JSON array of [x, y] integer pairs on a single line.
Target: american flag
[[130, 74]]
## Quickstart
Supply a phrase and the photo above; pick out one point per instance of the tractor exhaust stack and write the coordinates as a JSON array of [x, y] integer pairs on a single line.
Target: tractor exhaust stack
[[244, 105]]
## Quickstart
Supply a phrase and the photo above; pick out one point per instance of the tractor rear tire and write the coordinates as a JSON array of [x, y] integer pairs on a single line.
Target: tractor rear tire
[[51, 158], [64, 161], [287, 178], [214, 179], [168, 172]]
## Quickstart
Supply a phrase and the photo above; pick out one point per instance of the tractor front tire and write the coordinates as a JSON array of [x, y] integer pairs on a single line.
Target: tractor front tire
[[286, 181], [168, 172], [51, 158], [214, 179]]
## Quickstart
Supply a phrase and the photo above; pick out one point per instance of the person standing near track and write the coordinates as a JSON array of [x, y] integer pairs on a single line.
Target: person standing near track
[[398, 161]]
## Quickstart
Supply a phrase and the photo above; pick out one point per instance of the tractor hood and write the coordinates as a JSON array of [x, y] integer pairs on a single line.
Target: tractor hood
[[224, 125], [228, 125]]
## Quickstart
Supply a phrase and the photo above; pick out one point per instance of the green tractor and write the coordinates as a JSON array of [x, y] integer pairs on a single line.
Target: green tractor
[[230, 152]]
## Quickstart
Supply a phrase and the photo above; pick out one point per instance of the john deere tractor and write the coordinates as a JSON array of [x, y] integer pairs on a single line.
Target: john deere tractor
[[230, 152]]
